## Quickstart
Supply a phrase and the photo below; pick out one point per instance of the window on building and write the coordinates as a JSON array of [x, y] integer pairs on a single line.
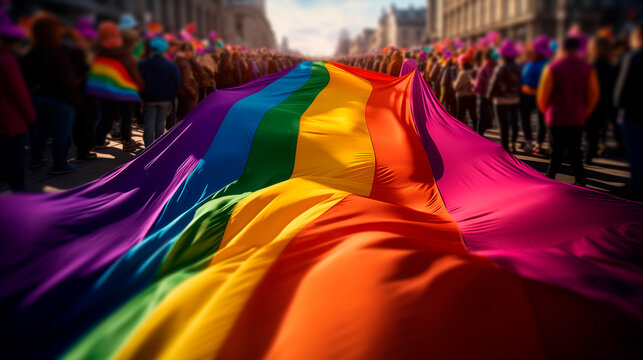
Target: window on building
[[164, 18], [149, 6], [472, 16], [188, 12], [483, 12], [177, 16], [520, 7], [238, 25], [198, 20], [505, 8], [494, 11]]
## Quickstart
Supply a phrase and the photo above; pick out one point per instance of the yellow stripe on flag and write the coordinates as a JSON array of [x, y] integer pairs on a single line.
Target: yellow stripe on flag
[[195, 318]]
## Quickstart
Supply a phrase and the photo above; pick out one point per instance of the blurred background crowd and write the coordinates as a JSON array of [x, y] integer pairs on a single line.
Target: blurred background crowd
[[544, 96], [76, 83], [89, 83]]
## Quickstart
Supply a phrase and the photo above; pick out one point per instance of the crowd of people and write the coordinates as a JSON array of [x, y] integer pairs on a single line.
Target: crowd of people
[[580, 87], [86, 83]]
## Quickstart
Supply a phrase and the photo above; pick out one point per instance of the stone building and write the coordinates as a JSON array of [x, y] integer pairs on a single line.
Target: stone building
[[343, 43], [434, 20], [399, 27], [240, 22], [522, 19], [361, 43], [245, 23], [406, 27]]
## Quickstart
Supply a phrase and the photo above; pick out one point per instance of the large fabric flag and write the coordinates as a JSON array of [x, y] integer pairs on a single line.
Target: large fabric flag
[[324, 212]]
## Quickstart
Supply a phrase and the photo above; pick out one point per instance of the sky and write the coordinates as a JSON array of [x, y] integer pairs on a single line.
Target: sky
[[313, 26]]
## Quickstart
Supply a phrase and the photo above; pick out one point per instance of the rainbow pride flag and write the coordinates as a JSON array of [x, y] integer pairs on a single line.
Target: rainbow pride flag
[[322, 212], [109, 79]]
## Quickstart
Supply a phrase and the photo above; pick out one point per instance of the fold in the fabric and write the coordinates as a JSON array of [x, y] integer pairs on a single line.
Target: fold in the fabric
[[546, 230]]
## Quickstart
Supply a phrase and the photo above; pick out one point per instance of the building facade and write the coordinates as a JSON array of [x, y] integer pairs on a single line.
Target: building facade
[[434, 30], [522, 19], [240, 22], [406, 27], [245, 23], [361, 43], [399, 27], [343, 43]]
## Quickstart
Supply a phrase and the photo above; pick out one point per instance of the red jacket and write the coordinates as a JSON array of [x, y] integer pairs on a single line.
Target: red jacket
[[568, 92], [15, 103]]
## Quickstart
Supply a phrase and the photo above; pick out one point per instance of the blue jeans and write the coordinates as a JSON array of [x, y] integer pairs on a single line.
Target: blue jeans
[[12, 149], [53, 118], [154, 115], [633, 138]]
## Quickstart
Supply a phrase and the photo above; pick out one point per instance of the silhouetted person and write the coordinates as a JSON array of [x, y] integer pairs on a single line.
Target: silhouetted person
[[627, 96], [567, 94]]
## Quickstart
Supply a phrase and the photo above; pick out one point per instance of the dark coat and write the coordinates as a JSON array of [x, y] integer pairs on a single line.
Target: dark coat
[[504, 86], [188, 84], [48, 73], [15, 103], [627, 94], [162, 78]]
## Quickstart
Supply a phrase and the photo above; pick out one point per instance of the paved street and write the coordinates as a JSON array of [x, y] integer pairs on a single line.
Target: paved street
[[40, 179], [606, 175]]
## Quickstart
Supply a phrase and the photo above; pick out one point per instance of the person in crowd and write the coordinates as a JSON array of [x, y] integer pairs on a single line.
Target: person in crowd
[[531, 73], [504, 92], [162, 80], [481, 86], [598, 51], [188, 94], [247, 68], [568, 93], [627, 98], [369, 62], [386, 59], [409, 65], [263, 66], [273, 65], [50, 78], [395, 65], [252, 63], [79, 52], [224, 70], [620, 48], [464, 92], [427, 71], [434, 77], [201, 77], [376, 63], [16, 108], [422, 59], [447, 75], [117, 95], [238, 66], [131, 34], [209, 68]]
